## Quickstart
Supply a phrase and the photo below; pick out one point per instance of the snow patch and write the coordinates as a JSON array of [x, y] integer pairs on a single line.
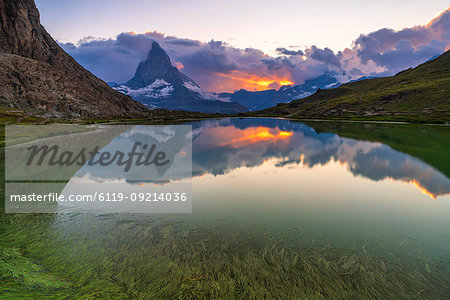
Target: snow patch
[[203, 94], [331, 85], [159, 83], [304, 94], [158, 89]]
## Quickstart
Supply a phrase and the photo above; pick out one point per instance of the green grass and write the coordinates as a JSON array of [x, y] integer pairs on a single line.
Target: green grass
[[19, 274], [25, 251], [105, 257]]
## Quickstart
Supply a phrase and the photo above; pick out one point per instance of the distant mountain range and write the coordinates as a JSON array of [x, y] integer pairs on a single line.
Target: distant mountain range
[[264, 99], [420, 94], [158, 84], [38, 77]]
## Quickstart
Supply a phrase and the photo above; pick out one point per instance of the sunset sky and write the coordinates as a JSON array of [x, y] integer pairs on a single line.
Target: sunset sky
[[227, 45]]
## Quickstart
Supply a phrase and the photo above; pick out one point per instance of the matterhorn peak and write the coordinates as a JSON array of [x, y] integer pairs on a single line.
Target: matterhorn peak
[[158, 54], [157, 83]]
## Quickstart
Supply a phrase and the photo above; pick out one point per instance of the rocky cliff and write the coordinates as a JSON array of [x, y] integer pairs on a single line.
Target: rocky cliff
[[37, 76]]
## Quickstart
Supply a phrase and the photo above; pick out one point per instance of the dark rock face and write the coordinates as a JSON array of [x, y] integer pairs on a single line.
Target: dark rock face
[[157, 66], [158, 84], [36, 75]]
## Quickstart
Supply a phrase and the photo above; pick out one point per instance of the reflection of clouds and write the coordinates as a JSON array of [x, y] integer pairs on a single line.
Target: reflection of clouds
[[110, 188], [159, 133], [86, 177], [216, 153], [382, 162], [174, 141]]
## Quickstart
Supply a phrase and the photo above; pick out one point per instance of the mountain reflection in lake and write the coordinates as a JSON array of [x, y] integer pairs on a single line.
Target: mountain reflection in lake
[[223, 145]]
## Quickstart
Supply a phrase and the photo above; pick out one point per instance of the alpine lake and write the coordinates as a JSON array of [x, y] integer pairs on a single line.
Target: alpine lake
[[281, 210]]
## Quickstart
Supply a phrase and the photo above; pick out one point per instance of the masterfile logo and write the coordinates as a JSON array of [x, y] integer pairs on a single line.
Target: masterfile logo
[[100, 168], [105, 158]]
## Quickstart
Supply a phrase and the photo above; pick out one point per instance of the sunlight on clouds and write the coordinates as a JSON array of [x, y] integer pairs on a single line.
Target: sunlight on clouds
[[255, 82]]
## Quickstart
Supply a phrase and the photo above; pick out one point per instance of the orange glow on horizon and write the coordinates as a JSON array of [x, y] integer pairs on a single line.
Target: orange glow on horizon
[[285, 134], [251, 82], [285, 82]]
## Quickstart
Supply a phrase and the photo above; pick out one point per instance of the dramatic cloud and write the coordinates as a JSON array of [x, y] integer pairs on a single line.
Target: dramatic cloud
[[285, 51], [397, 50], [217, 66], [326, 56]]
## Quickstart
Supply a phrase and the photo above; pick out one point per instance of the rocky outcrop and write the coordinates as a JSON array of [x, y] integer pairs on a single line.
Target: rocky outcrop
[[36, 75]]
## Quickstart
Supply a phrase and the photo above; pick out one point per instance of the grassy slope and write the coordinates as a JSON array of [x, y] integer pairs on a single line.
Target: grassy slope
[[421, 94]]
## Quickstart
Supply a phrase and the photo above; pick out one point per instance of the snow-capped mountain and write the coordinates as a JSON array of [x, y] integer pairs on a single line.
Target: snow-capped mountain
[[268, 98], [158, 84]]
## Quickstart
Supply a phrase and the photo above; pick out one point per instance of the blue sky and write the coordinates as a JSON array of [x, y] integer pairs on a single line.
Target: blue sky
[[260, 24], [225, 45]]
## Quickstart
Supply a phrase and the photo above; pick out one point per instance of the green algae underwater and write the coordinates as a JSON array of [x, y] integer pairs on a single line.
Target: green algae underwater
[[224, 251]]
